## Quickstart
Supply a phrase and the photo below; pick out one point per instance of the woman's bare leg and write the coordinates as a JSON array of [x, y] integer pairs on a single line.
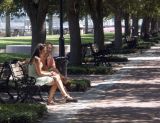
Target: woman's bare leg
[[61, 86], [62, 89], [52, 92]]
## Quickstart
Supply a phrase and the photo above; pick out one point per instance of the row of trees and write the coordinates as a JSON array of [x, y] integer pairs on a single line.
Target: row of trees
[[148, 10]]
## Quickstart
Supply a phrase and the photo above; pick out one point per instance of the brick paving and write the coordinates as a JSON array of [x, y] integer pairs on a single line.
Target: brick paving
[[131, 95]]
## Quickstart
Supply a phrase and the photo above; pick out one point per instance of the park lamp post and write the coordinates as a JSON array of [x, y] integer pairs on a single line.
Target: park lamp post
[[61, 38], [62, 63]]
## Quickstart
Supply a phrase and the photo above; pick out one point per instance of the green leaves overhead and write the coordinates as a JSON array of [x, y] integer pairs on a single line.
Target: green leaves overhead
[[10, 6]]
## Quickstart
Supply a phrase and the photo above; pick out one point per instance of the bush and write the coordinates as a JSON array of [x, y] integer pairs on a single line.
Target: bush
[[117, 59], [123, 50], [78, 85], [88, 69], [11, 56], [153, 40], [21, 113], [145, 45]]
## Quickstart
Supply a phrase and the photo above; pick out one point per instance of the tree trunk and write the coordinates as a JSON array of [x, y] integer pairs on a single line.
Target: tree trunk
[[158, 25], [118, 31], [86, 24], [156, 28], [37, 14], [127, 24], [8, 27], [98, 32], [50, 24], [135, 26], [96, 11], [74, 28], [145, 29], [154, 25], [142, 28]]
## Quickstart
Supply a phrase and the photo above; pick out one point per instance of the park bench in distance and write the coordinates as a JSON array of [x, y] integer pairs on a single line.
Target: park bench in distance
[[131, 41], [99, 56]]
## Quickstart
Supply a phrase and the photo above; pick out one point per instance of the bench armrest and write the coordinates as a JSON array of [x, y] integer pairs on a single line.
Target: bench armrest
[[29, 80]]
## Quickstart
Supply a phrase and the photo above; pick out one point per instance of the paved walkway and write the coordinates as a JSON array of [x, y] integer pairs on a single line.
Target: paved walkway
[[131, 95]]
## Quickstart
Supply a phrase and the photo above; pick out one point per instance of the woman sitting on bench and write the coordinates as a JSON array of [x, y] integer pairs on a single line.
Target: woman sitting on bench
[[50, 64], [46, 77]]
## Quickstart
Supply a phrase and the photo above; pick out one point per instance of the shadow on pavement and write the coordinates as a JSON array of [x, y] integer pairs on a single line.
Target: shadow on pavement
[[132, 94], [118, 115]]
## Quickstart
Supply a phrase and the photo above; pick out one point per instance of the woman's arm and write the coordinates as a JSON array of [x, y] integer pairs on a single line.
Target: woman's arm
[[38, 66], [51, 62]]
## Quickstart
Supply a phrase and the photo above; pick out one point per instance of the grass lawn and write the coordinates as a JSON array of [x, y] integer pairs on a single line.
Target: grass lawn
[[26, 40], [11, 56]]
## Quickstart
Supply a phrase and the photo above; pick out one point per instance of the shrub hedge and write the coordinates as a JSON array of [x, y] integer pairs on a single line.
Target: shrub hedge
[[87, 69], [78, 85], [10, 56], [21, 113]]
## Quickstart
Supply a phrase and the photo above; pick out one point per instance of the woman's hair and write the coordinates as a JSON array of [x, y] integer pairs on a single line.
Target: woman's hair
[[49, 43], [37, 51]]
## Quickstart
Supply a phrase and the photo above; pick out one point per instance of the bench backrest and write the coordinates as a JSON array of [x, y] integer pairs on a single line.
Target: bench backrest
[[4, 71], [20, 74], [88, 48], [17, 71]]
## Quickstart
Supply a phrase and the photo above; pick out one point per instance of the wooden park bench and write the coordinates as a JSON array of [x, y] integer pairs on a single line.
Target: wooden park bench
[[26, 87]]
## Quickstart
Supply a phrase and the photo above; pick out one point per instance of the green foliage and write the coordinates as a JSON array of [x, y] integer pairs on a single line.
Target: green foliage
[[25, 40], [144, 45], [11, 56], [21, 113], [87, 69], [10, 6], [117, 59], [78, 85], [6, 6], [124, 50], [113, 58], [153, 40], [150, 8]]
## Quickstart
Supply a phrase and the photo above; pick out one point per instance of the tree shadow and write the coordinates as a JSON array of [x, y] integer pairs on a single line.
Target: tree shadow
[[118, 115], [141, 74], [123, 93]]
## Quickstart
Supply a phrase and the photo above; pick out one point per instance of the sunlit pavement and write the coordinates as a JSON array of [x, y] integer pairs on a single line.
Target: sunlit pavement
[[131, 95]]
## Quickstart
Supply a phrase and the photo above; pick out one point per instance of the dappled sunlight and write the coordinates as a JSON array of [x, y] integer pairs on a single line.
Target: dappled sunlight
[[130, 95], [155, 47], [145, 58], [127, 103], [142, 73], [134, 67], [118, 115], [138, 93]]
